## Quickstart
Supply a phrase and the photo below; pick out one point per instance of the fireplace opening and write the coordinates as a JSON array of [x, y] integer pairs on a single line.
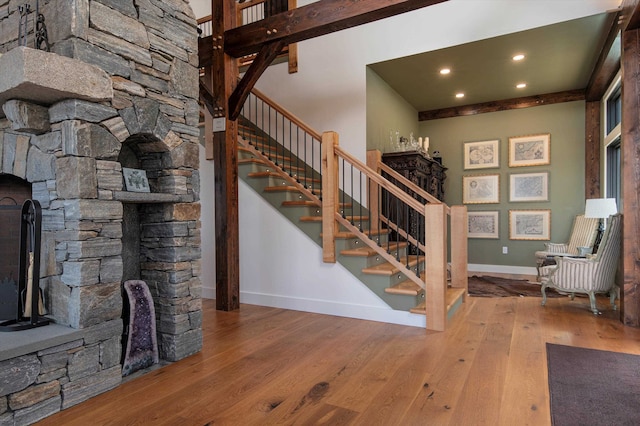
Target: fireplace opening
[[13, 192]]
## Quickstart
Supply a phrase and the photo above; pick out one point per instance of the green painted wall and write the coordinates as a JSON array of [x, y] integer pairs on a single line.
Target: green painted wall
[[387, 111], [565, 122]]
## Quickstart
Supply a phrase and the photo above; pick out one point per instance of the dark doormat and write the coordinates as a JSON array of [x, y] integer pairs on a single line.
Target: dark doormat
[[593, 387]]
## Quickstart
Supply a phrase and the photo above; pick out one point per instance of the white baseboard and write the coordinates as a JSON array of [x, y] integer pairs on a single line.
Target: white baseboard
[[208, 292], [501, 269], [327, 307]]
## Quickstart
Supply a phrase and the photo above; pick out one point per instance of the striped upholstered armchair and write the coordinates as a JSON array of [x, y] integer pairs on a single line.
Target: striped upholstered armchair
[[594, 274], [583, 234]]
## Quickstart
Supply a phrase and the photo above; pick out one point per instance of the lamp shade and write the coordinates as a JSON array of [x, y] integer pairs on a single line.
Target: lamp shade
[[600, 208]]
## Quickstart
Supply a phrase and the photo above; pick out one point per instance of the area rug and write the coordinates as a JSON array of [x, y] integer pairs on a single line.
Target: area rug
[[487, 286], [593, 387]]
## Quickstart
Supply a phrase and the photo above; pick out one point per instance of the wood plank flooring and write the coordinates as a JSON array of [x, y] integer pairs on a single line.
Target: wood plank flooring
[[262, 366]]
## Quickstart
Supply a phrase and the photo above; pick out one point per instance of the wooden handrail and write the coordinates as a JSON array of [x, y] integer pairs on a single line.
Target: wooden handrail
[[287, 114], [204, 19]]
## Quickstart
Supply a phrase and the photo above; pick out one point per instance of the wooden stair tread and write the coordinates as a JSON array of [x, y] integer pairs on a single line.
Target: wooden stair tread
[[451, 297], [319, 218], [278, 174], [387, 268], [287, 188], [407, 287], [367, 251], [301, 203], [345, 235], [260, 161]]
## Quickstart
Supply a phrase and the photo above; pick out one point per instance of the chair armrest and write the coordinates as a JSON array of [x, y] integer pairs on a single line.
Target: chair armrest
[[573, 273], [557, 247]]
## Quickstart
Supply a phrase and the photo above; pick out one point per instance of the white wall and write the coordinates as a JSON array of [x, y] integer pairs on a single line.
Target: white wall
[[201, 7], [277, 266]]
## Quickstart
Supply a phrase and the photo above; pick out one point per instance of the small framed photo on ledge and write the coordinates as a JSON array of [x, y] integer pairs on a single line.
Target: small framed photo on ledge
[[481, 189], [483, 224], [135, 180], [529, 150], [529, 224], [482, 155]]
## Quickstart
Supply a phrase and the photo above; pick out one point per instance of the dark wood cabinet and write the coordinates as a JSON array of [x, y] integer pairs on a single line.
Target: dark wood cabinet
[[425, 172]]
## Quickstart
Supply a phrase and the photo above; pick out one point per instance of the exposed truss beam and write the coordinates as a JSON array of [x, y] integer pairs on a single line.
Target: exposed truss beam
[[313, 20]]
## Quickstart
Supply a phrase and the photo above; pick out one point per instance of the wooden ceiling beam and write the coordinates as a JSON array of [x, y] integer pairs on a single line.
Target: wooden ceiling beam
[[313, 20], [503, 105], [608, 62], [630, 15]]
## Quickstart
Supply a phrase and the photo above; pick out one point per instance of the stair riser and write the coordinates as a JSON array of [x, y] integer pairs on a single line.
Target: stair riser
[[378, 284]]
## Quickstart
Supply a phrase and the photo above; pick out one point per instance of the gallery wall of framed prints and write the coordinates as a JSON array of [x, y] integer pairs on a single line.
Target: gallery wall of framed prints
[[531, 223]]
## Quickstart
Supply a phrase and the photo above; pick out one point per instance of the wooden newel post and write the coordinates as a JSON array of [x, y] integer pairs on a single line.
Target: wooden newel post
[[374, 158], [436, 265], [329, 196], [459, 247]]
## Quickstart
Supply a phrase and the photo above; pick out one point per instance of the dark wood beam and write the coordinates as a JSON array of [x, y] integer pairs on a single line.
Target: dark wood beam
[[592, 179], [207, 98], [630, 294], [205, 51], [503, 105], [608, 62], [630, 15], [261, 62], [225, 155], [313, 20]]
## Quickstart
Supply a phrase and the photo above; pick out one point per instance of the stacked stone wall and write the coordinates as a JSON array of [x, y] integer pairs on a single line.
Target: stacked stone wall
[[69, 152], [39, 384]]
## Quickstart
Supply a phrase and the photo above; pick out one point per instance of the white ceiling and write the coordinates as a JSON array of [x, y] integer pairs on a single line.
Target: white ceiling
[[558, 57]]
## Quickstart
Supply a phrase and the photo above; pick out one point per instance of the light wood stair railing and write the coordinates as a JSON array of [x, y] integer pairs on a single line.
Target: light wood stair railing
[[350, 198], [422, 227]]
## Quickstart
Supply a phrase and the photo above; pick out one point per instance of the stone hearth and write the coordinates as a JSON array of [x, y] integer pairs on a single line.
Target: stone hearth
[[119, 89]]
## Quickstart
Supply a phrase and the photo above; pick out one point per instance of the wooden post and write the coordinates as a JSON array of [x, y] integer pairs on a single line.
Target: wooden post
[[459, 246], [630, 294], [436, 266], [225, 154], [592, 150], [293, 47], [329, 196], [374, 157]]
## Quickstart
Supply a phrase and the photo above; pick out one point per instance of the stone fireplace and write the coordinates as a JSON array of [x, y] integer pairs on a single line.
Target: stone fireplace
[[118, 89]]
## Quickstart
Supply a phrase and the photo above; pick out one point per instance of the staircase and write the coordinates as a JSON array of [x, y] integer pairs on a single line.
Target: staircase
[[293, 187]]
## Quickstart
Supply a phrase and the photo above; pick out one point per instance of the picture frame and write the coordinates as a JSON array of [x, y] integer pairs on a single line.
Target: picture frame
[[483, 224], [529, 224], [533, 150], [525, 187], [481, 189], [482, 154], [135, 180]]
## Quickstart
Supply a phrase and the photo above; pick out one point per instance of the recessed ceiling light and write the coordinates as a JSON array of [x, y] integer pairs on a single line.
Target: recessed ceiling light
[[445, 71], [521, 85], [518, 57], [460, 95]]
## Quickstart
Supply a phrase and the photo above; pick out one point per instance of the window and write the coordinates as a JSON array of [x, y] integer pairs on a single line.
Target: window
[[612, 141], [614, 171], [614, 109]]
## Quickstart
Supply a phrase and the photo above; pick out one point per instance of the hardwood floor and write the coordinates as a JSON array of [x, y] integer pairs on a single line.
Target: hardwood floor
[[263, 365]]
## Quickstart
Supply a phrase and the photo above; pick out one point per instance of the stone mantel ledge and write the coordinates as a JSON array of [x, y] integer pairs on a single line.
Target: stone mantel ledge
[[45, 78], [18, 343]]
